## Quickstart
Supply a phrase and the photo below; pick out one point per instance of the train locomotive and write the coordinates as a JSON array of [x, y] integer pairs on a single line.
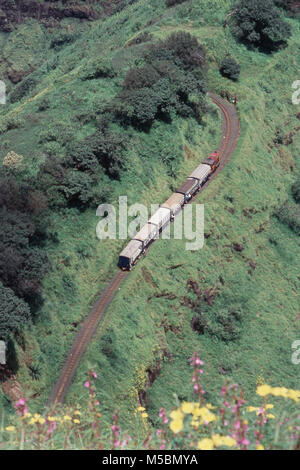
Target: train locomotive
[[167, 212]]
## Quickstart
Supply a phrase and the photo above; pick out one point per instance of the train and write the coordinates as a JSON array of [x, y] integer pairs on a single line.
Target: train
[[167, 212]]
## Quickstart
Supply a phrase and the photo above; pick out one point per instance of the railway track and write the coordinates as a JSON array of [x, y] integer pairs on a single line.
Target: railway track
[[230, 134]]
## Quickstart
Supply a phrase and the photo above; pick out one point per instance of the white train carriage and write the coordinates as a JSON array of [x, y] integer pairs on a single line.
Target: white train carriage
[[174, 204], [161, 218], [147, 233], [201, 173], [130, 254]]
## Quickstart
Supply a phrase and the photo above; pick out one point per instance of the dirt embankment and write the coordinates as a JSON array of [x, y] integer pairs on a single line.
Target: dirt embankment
[[12, 13]]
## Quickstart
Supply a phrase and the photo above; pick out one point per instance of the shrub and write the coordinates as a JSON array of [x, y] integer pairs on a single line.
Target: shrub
[[14, 313], [77, 186], [296, 191], [259, 23], [173, 79], [289, 214], [171, 3], [99, 68], [22, 89], [230, 68]]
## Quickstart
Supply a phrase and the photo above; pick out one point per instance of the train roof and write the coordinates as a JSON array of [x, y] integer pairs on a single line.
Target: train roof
[[187, 186], [131, 249], [146, 232]]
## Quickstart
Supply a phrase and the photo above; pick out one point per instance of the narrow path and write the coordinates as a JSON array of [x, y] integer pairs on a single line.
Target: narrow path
[[230, 135]]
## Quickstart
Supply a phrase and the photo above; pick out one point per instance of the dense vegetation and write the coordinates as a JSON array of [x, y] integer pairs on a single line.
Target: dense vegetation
[[117, 106], [23, 262], [259, 23], [230, 68]]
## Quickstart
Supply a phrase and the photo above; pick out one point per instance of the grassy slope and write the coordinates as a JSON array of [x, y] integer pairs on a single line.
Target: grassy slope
[[138, 326]]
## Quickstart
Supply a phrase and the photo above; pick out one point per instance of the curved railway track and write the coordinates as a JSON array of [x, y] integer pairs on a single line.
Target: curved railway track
[[230, 134]]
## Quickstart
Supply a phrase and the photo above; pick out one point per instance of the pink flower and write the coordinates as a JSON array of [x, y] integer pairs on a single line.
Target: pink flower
[[21, 402], [245, 442], [87, 384], [94, 375], [237, 425]]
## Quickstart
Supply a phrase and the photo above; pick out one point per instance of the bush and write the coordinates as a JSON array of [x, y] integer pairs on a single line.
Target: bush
[[14, 313], [99, 68], [173, 79], [296, 191], [259, 23], [230, 68], [289, 214], [171, 3], [22, 89], [77, 186]]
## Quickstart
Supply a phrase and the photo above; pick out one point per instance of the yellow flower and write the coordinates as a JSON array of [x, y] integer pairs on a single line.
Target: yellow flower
[[294, 395], [51, 418], [41, 420], [220, 441], [144, 415], [187, 408], [67, 418], [210, 406], [270, 416], [269, 406], [280, 392], [76, 421], [205, 444], [252, 408], [205, 415], [141, 408], [263, 390], [10, 428], [176, 424], [260, 447], [77, 412]]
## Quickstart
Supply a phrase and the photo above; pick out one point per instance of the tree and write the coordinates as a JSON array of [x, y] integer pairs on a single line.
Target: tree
[[230, 68], [296, 191], [171, 3], [259, 23], [14, 313]]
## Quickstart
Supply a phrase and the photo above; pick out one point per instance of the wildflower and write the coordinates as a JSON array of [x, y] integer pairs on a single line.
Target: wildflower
[[176, 424], [205, 444], [67, 418], [220, 441], [77, 412], [94, 375], [263, 390], [187, 408], [10, 428], [87, 384], [144, 415], [260, 447], [205, 415], [76, 421], [270, 416]]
